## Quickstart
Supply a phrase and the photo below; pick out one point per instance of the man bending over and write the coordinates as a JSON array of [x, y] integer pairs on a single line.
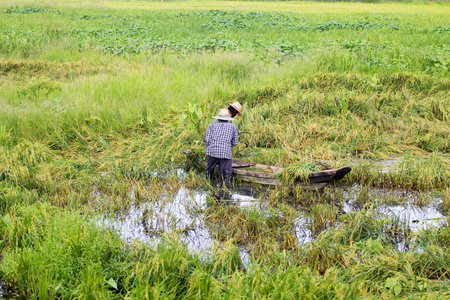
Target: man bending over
[[219, 138]]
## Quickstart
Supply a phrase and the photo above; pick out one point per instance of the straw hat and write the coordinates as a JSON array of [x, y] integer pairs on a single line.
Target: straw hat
[[237, 106], [224, 114]]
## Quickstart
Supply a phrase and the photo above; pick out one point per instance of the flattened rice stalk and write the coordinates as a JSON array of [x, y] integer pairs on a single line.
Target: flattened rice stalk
[[297, 171]]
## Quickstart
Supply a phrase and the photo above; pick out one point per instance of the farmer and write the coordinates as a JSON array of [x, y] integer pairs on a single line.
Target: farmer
[[234, 109], [219, 138]]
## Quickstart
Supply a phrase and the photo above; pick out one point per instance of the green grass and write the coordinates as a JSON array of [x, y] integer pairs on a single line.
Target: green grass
[[50, 252], [98, 100]]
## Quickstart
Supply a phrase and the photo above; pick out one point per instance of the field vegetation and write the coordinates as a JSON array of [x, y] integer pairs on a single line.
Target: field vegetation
[[98, 102]]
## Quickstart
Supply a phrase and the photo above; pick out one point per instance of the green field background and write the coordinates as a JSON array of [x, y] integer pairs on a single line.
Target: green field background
[[121, 88]]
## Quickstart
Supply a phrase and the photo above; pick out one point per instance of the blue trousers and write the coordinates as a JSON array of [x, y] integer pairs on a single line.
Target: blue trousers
[[225, 169]]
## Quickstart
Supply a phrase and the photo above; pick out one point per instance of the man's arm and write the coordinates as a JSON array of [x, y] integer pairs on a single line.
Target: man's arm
[[207, 136], [235, 139]]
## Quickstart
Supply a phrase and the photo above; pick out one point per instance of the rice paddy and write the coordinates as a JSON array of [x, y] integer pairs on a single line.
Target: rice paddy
[[99, 100]]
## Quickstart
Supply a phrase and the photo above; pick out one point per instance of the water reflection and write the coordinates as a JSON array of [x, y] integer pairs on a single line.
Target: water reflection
[[148, 221], [6, 293], [408, 208], [183, 214]]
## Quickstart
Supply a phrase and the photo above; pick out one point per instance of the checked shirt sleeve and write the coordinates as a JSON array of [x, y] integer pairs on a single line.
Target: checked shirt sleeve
[[207, 136], [235, 139]]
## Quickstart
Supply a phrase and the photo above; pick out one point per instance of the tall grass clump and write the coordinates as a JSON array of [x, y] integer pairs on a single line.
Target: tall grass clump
[[49, 253]]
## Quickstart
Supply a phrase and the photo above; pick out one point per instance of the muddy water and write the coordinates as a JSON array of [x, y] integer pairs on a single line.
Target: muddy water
[[183, 214]]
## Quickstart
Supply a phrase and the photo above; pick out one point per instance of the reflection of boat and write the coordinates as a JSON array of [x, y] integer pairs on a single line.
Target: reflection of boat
[[249, 172]]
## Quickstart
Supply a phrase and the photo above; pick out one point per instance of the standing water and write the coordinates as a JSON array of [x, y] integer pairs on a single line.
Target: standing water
[[184, 215]]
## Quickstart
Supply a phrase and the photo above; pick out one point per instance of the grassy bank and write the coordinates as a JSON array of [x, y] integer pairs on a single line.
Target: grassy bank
[[97, 103], [66, 255]]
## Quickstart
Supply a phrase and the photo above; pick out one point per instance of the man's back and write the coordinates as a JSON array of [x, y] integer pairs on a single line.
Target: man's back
[[219, 139]]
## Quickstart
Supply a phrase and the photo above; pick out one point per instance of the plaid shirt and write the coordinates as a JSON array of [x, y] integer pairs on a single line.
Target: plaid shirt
[[219, 138]]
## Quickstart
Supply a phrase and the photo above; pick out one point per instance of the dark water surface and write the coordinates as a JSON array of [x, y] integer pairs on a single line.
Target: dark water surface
[[6, 293]]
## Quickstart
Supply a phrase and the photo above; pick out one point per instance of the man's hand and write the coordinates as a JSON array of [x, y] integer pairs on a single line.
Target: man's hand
[[239, 132]]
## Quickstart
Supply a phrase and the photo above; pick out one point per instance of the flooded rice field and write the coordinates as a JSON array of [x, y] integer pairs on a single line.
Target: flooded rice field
[[182, 214], [191, 215]]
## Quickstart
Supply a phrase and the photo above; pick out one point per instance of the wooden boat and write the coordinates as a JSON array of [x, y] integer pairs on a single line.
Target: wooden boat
[[268, 175]]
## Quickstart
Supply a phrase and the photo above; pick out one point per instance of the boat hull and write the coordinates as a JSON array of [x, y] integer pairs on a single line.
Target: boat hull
[[316, 180]]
